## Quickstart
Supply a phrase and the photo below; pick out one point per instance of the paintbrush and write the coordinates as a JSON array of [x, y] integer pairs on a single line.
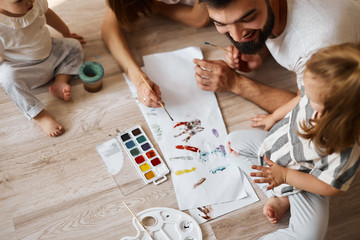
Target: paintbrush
[[162, 105], [137, 219], [217, 46]]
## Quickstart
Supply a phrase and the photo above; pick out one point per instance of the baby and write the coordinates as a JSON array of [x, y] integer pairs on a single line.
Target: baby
[[30, 57]]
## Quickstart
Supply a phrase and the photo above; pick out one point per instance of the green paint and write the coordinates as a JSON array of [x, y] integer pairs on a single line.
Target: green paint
[[141, 139], [134, 152]]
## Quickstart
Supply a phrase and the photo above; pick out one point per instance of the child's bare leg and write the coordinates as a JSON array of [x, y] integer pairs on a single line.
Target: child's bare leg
[[275, 208], [48, 124], [61, 88]]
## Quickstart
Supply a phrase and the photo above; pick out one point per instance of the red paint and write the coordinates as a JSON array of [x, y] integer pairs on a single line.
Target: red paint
[[139, 159], [193, 149], [190, 148], [155, 162], [180, 123]]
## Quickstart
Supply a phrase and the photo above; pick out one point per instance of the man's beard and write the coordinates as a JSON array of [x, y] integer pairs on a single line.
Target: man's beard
[[253, 47]]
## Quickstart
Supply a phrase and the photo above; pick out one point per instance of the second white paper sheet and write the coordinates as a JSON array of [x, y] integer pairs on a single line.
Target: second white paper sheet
[[192, 145]]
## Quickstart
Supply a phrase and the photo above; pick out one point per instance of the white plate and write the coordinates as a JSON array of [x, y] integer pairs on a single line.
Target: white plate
[[166, 224]]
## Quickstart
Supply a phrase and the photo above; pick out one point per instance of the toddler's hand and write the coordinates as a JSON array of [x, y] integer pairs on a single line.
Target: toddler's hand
[[265, 120], [77, 37], [274, 174]]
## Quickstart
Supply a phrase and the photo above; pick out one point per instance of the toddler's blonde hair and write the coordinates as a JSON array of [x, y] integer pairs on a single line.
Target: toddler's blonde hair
[[338, 128]]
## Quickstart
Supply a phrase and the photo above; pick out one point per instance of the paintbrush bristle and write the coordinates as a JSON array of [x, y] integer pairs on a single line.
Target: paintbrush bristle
[[207, 43]]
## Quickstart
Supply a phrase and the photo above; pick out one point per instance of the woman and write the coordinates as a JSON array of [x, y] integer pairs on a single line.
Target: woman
[[123, 15]]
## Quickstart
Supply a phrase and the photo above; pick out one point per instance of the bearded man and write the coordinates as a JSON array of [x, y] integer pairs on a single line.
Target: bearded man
[[291, 30]]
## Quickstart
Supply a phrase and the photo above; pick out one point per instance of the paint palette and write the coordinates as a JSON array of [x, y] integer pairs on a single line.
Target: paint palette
[[144, 156], [166, 223]]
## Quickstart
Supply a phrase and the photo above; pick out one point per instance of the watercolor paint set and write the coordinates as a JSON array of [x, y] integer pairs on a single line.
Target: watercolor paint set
[[143, 155]]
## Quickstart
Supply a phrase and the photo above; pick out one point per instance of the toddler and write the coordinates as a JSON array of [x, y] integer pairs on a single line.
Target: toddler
[[30, 57], [313, 151]]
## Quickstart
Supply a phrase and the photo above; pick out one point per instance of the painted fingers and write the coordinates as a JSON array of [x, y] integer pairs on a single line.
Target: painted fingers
[[214, 76]]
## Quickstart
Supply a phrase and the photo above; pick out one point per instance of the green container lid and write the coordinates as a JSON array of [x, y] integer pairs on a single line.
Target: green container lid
[[91, 72]]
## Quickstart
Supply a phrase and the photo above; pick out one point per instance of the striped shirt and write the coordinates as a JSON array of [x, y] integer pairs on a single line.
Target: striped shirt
[[285, 147]]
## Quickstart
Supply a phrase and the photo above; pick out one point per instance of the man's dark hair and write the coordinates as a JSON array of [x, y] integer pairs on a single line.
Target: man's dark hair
[[216, 4]]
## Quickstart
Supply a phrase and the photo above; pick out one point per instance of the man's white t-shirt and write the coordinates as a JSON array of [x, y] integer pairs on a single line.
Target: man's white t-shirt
[[311, 25]]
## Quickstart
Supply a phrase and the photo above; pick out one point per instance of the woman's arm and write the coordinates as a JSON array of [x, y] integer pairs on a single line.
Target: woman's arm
[[196, 16], [276, 175], [115, 41]]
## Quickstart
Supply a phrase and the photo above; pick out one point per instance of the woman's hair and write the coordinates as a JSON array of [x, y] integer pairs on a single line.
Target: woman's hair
[[337, 68], [129, 11]]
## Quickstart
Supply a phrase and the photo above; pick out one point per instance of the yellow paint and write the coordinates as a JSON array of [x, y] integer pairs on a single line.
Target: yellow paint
[[180, 172], [145, 167], [149, 175]]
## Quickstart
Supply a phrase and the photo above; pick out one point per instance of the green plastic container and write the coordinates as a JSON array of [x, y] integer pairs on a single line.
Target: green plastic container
[[91, 74]]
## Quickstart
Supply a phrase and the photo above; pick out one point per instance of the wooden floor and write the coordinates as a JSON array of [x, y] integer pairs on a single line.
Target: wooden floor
[[59, 188]]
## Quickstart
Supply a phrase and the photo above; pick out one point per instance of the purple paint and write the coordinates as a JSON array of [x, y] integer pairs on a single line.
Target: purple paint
[[215, 132]]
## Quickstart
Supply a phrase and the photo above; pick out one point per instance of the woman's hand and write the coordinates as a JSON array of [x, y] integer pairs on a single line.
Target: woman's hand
[[147, 96], [274, 174]]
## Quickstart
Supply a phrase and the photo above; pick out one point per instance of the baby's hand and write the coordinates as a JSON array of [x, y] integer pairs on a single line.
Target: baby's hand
[[77, 37], [274, 174], [265, 120]]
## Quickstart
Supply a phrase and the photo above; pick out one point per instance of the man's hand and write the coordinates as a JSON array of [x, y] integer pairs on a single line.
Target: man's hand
[[242, 62], [274, 174], [214, 75]]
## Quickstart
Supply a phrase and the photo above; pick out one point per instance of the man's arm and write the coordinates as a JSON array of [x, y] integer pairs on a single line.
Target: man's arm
[[217, 76]]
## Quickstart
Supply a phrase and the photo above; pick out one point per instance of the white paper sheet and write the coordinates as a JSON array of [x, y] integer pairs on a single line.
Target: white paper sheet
[[200, 178], [207, 213]]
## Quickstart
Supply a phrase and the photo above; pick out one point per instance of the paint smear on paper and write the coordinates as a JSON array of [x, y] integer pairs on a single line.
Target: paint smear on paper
[[189, 128], [181, 158], [207, 212], [189, 148], [221, 148], [112, 155], [220, 168], [157, 131], [215, 132], [199, 182], [204, 156], [181, 172]]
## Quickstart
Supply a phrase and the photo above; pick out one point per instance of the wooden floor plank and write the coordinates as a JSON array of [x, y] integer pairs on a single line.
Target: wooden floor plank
[[59, 188]]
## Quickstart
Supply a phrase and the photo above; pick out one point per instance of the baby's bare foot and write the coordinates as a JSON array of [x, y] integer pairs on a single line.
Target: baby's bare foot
[[275, 208], [48, 124], [61, 89]]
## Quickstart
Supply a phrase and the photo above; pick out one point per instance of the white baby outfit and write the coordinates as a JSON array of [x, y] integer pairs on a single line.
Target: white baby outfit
[[30, 57]]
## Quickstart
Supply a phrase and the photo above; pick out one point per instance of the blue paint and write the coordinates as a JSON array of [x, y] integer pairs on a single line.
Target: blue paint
[[221, 168], [130, 144]]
